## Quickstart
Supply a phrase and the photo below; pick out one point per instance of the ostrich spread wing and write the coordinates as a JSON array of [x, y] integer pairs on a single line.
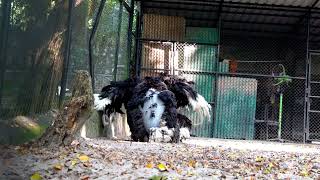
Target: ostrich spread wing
[[186, 95], [113, 96]]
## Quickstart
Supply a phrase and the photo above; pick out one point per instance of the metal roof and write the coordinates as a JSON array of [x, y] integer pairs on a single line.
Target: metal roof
[[281, 17], [298, 3]]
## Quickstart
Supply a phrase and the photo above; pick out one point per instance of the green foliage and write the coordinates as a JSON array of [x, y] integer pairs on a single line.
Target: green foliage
[[285, 79], [26, 14]]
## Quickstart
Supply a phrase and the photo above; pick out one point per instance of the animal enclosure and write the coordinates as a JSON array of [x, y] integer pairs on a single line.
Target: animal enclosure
[[256, 62], [235, 52]]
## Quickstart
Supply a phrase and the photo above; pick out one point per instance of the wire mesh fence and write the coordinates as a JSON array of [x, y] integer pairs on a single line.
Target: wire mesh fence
[[32, 66], [237, 79], [240, 84], [314, 97], [34, 55]]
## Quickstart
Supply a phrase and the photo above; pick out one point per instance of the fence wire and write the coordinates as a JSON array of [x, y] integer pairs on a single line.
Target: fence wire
[[239, 85], [34, 57]]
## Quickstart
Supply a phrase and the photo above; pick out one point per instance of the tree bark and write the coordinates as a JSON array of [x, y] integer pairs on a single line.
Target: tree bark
[[75, 113]]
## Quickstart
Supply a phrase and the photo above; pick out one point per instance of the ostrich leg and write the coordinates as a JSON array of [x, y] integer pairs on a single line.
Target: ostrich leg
[[170, 115]]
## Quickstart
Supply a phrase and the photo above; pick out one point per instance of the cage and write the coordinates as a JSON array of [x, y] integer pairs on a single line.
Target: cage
[[232, 41], [229, 48]]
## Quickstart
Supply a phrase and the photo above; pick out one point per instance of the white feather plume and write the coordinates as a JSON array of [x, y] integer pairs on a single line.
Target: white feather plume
[[200, 105], [100, 104]]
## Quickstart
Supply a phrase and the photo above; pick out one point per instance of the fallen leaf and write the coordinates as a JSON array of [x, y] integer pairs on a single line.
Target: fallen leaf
[[304, 173], [259, 159], [192, 163], [84, 158], [267, 171], [179, 171], [189, 173], [73, 162], [84, 178], [149, 165], [158, 178], [75, 143], [162, 167], [271, 165], [87, 164], [57, 167], [36, 176]]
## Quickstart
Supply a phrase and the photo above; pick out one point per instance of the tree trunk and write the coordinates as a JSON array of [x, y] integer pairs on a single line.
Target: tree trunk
[[75, 113]]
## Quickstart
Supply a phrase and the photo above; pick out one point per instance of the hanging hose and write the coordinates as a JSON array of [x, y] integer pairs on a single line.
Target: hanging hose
[[280, 84]]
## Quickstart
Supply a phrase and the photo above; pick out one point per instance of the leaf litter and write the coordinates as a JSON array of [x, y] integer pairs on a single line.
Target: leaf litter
[[105, 159]]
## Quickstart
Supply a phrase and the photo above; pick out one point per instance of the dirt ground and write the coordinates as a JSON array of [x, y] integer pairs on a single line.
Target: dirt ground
[[196, 158]]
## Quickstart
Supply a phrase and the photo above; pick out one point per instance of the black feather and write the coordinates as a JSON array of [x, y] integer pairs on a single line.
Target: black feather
[[174, 93]]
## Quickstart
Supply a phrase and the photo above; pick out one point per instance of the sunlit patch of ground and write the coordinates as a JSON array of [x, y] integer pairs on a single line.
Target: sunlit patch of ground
[[197, 158]]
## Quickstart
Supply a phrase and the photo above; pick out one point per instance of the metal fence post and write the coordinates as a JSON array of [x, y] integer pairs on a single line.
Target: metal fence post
[[307, 84], [66, 52], [116, 58], [216, 75], [138, 45], [6, 11], [93, 32], [129, 44]]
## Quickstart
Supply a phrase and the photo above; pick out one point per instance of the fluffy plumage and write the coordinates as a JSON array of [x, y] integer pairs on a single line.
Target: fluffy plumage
[[152, 104]]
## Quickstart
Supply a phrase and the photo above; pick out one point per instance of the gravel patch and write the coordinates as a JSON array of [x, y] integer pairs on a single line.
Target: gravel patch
[[196, 158]]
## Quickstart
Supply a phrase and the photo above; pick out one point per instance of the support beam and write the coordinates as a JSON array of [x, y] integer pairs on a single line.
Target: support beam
[[118, 39], [307, 84], [137, 48], [92, 35], [130, 35], [258, 6], [300, 20], [219, 11], [66, 61], [6, 11], [213, 10], [126, 5]]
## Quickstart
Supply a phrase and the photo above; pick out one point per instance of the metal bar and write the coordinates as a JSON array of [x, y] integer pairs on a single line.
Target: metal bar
[[66, 61], [130, 34], [314, 82], [138, 66], [245, 22], [154, 69], [180, 9], [193, 3], [259, 61], [136, 57], [219, 10], [238, 74], [314, 4], [307, 84], [93, 32], [171, 41], [216, 76], [269, 5], [238, 5], [174, 49], [263, 31], [6, 11], [314, 51], [300, 20], [116, 54], [126, 5], [314, 111], [288, 8], [316, 97], [223, 11]]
